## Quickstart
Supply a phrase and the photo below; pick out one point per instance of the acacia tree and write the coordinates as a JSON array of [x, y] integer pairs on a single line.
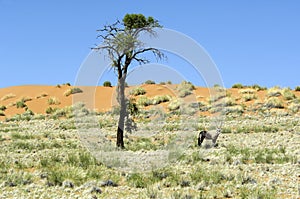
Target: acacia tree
[[121, 42]]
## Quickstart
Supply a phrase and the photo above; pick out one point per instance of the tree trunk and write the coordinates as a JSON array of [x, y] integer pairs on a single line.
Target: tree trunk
[[122, 103]]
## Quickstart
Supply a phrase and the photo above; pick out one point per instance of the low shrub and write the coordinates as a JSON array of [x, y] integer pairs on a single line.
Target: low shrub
[[53, 101], [274, 102], [294, 107], [288, 94], [21, 103], [174, 105], [107, 84], [297, 88], [2, 108], [144, 101], [247, 91], [258, 87], [2, 113], [138, 91], [237, 85], [249, 97], [185, 88], [160, 99], [274, 92], [72, 91], [41, 95], [8, 96], [149, 82]]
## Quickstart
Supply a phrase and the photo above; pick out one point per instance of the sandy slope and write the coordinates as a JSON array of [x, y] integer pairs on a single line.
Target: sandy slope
[[98, 98]]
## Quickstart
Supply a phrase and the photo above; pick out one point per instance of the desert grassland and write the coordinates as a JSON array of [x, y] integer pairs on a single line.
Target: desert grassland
[[55, 155]]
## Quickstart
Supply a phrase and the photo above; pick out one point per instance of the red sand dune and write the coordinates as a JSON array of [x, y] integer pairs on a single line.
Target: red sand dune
[[98, 98]]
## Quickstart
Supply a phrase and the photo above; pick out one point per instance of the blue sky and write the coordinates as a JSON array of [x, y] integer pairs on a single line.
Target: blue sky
[[45, 42]]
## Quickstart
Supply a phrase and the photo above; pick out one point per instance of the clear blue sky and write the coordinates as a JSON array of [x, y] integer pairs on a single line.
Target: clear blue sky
[[45, 42]]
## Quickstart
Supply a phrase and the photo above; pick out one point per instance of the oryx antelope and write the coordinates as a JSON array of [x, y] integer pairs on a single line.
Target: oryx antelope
[[209, 135]]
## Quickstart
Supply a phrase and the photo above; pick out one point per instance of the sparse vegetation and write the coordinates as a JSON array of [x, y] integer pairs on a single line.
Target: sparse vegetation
[[174, 104], [185, 88], [144, 101], [53, 101], [21, 103], [8, 96], [149, 82], [160, 99], [45, 151], [274, 102], [288, 94], [274, 92], [138, 91], [2, 108], [107, 84], [72, 91], [238, 85], [42, 95]]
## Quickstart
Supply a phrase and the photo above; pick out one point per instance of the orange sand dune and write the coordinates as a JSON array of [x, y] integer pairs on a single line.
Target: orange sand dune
[[98, 98]]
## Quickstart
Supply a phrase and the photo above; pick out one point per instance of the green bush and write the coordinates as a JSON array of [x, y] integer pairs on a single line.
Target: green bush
[[174, 105], [160, 99], [274, 102], [149, 82], [50, 110], [238, 85], [107, 84], [288, 94], [258, 87], [138, 91], [21, 103], [297, 88], [53, 101], [249, 97], [274, 92], [2, 113], [72, 91], [2, 108], [144, 101], [185, 88]]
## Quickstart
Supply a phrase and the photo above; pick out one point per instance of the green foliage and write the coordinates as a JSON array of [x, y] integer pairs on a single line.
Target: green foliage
[[135, 21], [249, 97], [238, 85], [144, 101], [149, 82], [53, 101], [23, 136], [160, 99], [258, 87], [297, 88], [51, 110], [72, 91], [288, 94], [107, 84], [138, 91], [274, 102], [2, 108], [138, 180], [174, 105], [274, 92], [21, 103], [208, 176], [2, 113], [141, 144], [185, 88]]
